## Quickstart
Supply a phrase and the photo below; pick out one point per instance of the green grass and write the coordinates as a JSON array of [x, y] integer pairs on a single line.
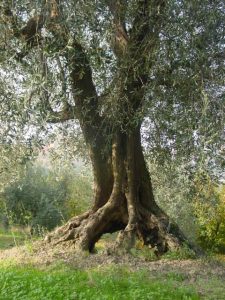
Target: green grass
[[62, 283], [20, 281], [9, 239]]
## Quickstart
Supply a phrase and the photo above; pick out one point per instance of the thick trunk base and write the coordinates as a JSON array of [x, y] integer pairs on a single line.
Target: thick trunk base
[[125, 203], [82, 232]]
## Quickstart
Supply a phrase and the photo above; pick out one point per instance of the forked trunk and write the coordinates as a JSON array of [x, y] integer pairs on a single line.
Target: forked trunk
[[123, 202], [123, 193]]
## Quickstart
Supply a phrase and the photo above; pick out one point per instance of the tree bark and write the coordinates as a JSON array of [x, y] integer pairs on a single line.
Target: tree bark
[[124, 203]]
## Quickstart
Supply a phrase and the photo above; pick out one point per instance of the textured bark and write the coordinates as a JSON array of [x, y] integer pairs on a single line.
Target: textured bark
[[126, 204]]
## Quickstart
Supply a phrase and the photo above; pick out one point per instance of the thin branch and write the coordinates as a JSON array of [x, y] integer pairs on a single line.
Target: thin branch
[[120, 37], [62, 116], [144, 38], [148, 20], [9, 18], [68, 111], [84, 91], [62, 75]]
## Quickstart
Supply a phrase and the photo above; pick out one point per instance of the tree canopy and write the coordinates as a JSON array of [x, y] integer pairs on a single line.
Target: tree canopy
[[183, 102]]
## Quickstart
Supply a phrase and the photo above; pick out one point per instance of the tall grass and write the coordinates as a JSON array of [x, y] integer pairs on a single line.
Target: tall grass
[[12, 237]]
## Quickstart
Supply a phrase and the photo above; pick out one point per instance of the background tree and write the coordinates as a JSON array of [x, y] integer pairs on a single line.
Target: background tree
[[41, 197], [209, 204], [110, 65]]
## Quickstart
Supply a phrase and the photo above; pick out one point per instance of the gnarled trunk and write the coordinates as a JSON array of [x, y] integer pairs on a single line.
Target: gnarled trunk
[[123, 202], [123, 192]]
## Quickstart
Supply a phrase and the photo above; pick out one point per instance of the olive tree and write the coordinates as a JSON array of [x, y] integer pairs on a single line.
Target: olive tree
[[111, 65]]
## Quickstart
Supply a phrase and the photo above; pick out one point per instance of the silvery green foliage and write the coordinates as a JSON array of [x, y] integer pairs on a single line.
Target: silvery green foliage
[[46, 194], [183, 106], [174, 191]]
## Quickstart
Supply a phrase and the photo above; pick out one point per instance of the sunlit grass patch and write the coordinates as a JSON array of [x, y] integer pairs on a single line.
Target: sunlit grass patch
[[63, 283], [221, 257], [183, 253]]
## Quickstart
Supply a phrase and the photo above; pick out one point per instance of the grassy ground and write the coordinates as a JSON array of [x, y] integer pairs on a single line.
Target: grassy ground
[[31, 272], [61, 283], [11, 238]]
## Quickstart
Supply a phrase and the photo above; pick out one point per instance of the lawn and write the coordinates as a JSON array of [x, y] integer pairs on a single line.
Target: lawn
[[63, 283], [31, 273]]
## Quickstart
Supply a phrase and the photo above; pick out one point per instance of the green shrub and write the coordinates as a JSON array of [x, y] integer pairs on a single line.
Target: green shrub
[[183, 253], [210, 212], [44, 198], [34, 201]]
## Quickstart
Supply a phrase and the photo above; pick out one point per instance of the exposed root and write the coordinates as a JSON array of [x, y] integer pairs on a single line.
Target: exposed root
[[63, 233], [132, 222], [152, 231], [84, 231], [68, 237]]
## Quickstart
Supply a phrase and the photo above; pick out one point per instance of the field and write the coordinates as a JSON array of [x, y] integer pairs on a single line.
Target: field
[[32, 272]]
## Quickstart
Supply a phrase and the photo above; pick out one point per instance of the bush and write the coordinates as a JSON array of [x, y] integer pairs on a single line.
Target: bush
[[210, 211], [34, 200], [173, 192], [193, 201], [44, 198]]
